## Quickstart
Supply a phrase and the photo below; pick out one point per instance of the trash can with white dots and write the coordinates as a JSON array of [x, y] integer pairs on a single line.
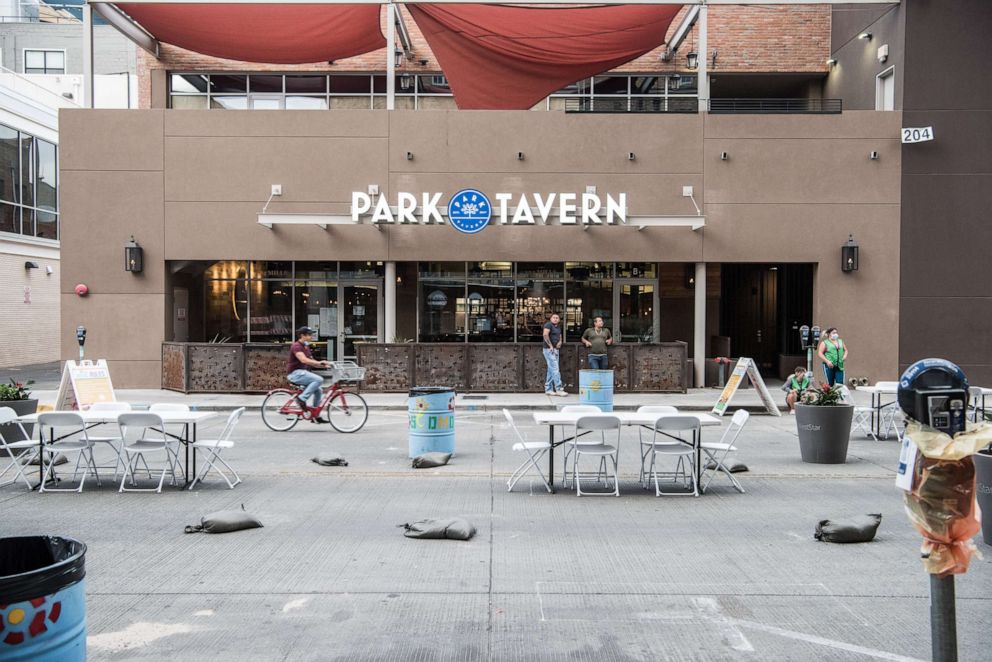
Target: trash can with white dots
[[431, 410], [42, 599]]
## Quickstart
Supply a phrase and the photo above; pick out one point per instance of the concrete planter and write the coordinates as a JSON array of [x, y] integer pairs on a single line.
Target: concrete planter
[[983, 491], [824, 432], [22, 407]]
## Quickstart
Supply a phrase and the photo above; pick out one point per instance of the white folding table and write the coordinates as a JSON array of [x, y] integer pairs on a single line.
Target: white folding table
[[563, 419], [877, 393], [188, 419]]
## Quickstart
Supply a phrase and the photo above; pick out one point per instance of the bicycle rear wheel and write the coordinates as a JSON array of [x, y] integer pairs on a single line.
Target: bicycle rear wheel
[[347, 411], [279, 411]]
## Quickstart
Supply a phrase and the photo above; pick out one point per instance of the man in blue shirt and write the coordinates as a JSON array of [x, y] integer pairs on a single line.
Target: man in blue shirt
[[552, 347]]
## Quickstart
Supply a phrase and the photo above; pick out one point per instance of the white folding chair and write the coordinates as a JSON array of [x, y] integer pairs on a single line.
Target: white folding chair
[[21, 451], [601, 423], [173, 430], [656, 411], [862, 421], [535, 450], [113, 442], [143, 433], [665, 428], [717, 451], [213, 447], [891, 418], [975, 395], [60, 426], [574, 409]]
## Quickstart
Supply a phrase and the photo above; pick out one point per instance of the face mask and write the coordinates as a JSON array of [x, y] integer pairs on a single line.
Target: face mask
[[834, 336], [306, 343]]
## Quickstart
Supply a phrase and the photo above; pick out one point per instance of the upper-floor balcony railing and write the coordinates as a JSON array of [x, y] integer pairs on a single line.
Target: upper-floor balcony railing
[[632, 105], [776, 106]]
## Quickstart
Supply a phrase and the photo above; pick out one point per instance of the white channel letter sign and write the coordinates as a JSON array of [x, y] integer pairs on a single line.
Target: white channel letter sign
[[507, 208]]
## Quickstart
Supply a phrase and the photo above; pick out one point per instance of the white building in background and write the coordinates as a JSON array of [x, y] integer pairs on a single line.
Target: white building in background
[[41, 72]]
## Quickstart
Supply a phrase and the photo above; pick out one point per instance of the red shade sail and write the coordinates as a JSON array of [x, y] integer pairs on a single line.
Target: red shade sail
[[273, 33], [499, 57]]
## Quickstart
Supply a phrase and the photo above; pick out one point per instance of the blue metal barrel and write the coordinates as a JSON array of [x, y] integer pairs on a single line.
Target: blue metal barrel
[[42, 599], [431, 410], [596, 388]]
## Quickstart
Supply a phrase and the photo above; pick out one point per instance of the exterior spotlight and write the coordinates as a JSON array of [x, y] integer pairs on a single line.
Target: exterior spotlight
[[133, 255], [692, 60], [865, 35], [873, 156], [849, 255], [30, 265], [409, 156], [520, 156], [631, 156], [724, 156], [831, 62]]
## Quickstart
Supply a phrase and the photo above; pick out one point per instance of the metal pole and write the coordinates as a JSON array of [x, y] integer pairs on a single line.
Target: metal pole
[[390, 301], [809, 360], [703, 82], [699, 327], [390, 56], [943, 622], [88, 86]]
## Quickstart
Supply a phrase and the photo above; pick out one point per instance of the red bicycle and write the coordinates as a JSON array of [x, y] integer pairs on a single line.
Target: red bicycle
[[346, 409]]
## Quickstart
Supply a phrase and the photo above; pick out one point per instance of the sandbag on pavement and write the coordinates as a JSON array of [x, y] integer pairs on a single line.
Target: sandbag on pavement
[[855, 529], [732, 467], [454, 528], [225, 521], [330, 460], [428, 460]]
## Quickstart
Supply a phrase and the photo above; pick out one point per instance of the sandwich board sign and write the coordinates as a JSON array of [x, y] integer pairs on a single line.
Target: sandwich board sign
[[745, 366], [83, 384]]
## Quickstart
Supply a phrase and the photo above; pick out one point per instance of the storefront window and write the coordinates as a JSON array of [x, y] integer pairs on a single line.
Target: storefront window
[[317, 307], [226, 311], [540, 292], [271, 311], [361, 270], [10, 168], [490, 301], [442, 302], [590, 295], [637, 308], [279, 270], [637, 270]]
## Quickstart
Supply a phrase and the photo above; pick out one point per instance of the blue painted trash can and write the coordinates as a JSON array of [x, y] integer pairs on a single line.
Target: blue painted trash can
[[42, 599], [431, 410], [596, 388]]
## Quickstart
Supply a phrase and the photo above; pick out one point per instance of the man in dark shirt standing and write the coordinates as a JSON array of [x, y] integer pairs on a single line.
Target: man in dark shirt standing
[[300, 357], [596, 339], [552, 346]]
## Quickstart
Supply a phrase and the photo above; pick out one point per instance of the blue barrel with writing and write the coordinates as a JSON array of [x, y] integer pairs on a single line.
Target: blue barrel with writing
[[431, 410], [596, 388], [42, 599]]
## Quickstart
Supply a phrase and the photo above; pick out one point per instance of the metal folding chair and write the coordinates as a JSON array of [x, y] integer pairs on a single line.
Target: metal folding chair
[[645, 441], [60, 426], [113, 442], [214, 447], [143, 433], [717, 451], [535, 450], [665, 428], [21, 451], [862, 421], [573, 409], [975, 395], [601, 423]]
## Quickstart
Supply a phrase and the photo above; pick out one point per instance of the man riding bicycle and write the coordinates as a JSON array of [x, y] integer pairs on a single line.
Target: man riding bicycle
[[300, 357]]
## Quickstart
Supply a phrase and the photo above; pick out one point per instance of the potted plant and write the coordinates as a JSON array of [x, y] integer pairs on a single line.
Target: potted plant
[[17, 396], [824, 424]]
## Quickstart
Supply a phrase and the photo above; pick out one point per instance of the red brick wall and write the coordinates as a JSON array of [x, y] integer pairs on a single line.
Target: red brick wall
[[758, 39]]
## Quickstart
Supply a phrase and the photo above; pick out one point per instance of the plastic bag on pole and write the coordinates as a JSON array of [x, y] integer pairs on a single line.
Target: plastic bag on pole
[[941, 504]]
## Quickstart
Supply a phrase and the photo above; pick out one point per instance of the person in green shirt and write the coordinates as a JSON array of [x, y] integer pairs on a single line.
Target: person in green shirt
[[794, 387], [597, 339], [833, 352]]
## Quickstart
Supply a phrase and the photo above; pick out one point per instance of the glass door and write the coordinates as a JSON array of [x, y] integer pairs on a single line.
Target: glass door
[[636, 303], [359, 319]]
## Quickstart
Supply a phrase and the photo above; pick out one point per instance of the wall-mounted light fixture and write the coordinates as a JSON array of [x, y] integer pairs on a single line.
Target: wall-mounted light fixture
[[831, 62], [405, 81], [631, 156], [882, 53], [692, 60], [399, 57], [409, 156], [865, 35], [849, 255], [133, 256], [690, 276], [724, 156], [28, 266], [520, 156], [873, 155], [713, 59]]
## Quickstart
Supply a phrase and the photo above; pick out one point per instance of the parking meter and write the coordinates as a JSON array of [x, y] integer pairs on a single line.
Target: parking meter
[[804, 340], [804, 336], [81, 338], [815, 331], [935, 392]]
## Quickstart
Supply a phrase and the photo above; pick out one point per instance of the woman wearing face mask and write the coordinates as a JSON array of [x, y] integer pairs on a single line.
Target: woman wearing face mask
[[833, 352]]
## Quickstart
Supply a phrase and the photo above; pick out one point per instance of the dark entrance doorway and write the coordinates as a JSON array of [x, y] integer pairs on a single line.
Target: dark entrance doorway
[[760, 305]]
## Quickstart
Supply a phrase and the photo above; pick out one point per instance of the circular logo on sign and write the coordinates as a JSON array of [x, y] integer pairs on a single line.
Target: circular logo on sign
[[469, 211], [437, 299]]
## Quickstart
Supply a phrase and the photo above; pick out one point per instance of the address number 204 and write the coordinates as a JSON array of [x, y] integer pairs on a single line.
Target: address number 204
[[919, 135]]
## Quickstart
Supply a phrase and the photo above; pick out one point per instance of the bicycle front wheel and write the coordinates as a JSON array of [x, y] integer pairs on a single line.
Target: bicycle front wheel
[[347, 411], [279, 411]]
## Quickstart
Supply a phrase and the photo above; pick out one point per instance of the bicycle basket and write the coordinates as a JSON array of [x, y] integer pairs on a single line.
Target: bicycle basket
[[347, 371]]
